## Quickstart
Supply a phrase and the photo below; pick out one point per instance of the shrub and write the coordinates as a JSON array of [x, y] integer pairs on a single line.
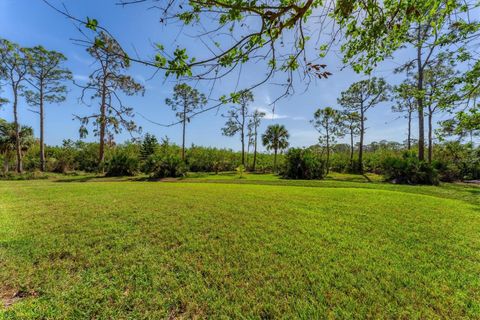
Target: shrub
[[165, 166], [202, 159], [62, 159], [87, 156], [122, 163], [409, 170], [340, 162], [240, 169], [456, 161], [149, 146], [448, 172], [303, 164]]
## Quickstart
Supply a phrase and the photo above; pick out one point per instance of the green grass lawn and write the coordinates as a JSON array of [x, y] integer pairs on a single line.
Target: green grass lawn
[[222, 247]]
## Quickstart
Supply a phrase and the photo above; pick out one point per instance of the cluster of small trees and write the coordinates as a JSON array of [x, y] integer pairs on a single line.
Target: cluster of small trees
[[39, 75], [437, 97]]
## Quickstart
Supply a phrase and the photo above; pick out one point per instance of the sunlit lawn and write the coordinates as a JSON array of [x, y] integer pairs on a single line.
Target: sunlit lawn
[[258, 247]]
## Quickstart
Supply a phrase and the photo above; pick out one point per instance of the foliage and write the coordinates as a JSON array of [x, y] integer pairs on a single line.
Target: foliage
[[241, 170], [329, 123], [202, 159], [149, 146], [253, 124], [410, 170], [374, 31], [237, 119], [106, 82], [186, 101], [8, 140], [465, 124], [14, 69], [122, 162], [46, 75], [166, 166], [456, 161], [62, 159], [351, 123], [303, 164], [360, 97], [404, 96], [275, 138]]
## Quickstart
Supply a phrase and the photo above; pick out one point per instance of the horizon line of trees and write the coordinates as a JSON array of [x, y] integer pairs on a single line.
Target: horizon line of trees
[[453, 160]]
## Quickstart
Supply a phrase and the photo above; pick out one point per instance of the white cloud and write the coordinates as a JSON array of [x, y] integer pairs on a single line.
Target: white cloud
[[299, 118], [80, 77], [270, 114], [81, 59]]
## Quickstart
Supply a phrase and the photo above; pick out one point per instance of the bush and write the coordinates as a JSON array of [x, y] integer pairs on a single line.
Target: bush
[[61, 160], [448, 172], [456, 161], [340, 162], [303, 164], [87, 156], [409, 170], [165, 166], [202, 159], [122, 163]]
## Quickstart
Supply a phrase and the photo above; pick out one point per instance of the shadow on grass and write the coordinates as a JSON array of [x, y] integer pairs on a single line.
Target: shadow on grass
[[76, 179], [101, 179]]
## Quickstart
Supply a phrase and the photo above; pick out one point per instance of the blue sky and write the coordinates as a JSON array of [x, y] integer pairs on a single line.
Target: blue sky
[[32, 22]]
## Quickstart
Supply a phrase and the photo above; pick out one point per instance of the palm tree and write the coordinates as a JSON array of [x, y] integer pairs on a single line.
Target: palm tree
[[275, 138], [8, 140]]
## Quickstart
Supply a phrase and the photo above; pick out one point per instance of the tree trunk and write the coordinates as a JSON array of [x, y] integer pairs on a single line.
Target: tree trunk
[[243, 148], [248, 153], [242, 132], [42, 139], [351, 150], [254, 151], [184, 123], [275, 161], [17, 130], [103, 124], [360, 146], [430, 137], [409, 135], [328, 151], [421, 129]]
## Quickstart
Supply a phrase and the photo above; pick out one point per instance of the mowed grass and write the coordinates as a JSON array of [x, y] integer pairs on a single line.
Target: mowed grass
[[238, 248]]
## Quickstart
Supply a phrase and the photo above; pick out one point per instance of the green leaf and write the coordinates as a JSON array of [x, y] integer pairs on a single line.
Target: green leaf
[[92, 24]]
